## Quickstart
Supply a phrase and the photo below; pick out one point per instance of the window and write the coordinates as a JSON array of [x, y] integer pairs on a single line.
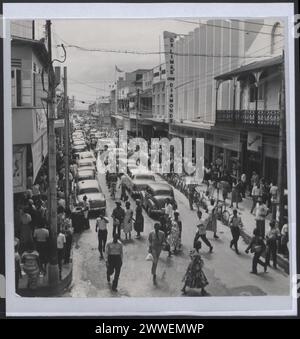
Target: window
[[17, 83], [260, 94], [34, 88]]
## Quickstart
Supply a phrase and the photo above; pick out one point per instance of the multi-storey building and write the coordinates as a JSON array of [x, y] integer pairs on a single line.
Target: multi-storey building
[[213, 49], [29, 60]]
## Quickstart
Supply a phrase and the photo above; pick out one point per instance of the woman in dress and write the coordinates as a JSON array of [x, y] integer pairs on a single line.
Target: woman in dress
[[31, 267], [194, 276], [174, 236], [127, 228], [139, 219]]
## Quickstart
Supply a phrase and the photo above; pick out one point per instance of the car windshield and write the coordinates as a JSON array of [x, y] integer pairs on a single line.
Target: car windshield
[[86, 156], [144, 177], [86, 164], [163, 192], [88, 190]]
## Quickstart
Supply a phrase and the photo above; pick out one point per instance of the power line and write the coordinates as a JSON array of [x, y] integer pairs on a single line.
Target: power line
[[226, 27], [85, 49], [254, 23]]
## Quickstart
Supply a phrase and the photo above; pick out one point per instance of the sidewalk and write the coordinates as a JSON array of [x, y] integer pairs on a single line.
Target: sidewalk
[[43, 289]]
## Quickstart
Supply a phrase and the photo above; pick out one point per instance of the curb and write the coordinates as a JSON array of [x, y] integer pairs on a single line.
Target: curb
[[49, 291]]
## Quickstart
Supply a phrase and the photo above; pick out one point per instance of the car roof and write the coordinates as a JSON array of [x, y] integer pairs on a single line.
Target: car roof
[[85, 171], [142, 171], [85, 160], [86, 153], [88, 183], [159, 186], [81, 146]]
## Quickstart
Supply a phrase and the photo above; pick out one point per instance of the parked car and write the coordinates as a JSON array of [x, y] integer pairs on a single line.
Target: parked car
[[85, 174], [78, 142], [86, 164], [92, 190], [137, 180], [76, 150], [154, 198], [87, 155]]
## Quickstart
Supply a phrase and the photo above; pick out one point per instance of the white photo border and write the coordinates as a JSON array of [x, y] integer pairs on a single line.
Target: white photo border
[[221, 306]]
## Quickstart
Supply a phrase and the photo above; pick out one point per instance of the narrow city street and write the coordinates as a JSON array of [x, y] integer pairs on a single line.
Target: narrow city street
[[228, 274]]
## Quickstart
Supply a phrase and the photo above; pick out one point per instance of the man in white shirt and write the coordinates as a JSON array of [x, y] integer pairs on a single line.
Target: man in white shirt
[[256, 194], [61, 240], [273, 194], [114, 253], [260, 217], [101, 229], [169, 211]]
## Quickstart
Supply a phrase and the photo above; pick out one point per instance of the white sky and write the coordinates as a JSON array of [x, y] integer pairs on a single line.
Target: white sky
[[97, 69]]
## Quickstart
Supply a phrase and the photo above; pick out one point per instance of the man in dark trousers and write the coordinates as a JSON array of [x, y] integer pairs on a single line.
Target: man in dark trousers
[[257, 246], [101, 229], [114, 252], [118, 215], [201, 233], [235, 224]]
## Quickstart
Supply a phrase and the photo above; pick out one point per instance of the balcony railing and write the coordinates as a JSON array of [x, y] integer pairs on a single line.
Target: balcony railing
[[269, 119]]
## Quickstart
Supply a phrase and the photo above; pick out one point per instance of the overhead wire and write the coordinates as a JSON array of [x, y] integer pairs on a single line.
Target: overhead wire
[[225, 27]]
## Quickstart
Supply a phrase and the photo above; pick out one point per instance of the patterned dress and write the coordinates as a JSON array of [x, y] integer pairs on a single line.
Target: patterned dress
[[194, 276], [127, 224]]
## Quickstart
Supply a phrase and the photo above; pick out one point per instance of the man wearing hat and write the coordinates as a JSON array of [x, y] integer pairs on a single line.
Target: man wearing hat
[[118, 215], [86, 208]]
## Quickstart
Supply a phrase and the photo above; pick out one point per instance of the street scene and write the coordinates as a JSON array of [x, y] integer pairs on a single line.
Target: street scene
[[150, 158]]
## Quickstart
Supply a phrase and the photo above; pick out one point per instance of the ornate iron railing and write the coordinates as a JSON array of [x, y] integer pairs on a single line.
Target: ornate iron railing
[[249, 118]]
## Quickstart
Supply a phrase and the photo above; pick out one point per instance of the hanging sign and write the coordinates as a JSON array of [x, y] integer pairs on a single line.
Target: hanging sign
[[169, 44]]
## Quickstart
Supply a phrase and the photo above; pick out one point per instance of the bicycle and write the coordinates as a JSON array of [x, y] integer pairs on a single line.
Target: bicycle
[[222, 213]]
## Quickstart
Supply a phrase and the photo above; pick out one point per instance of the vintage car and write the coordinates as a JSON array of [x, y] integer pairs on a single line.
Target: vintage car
[[154, 198], [92, 190], [78, 142], [76, 150], [85, 174], [87, 156], [137, 180], [86, 164]]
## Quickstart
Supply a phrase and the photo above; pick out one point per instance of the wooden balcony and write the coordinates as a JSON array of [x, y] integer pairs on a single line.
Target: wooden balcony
[[263, 119]]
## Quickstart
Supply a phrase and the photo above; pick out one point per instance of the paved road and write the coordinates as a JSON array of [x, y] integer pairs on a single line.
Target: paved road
[[228, 273]]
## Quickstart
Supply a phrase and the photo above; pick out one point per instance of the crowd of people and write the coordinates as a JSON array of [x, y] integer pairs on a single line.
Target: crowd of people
[[32, 227]]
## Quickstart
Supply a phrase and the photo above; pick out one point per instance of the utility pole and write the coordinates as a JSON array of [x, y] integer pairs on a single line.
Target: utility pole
[[53, 265], [282, 147], [67, 140], [137, 111]]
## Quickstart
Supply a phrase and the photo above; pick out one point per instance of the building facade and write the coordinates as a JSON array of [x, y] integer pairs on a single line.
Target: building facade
[[216, 48], [29, 83]]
